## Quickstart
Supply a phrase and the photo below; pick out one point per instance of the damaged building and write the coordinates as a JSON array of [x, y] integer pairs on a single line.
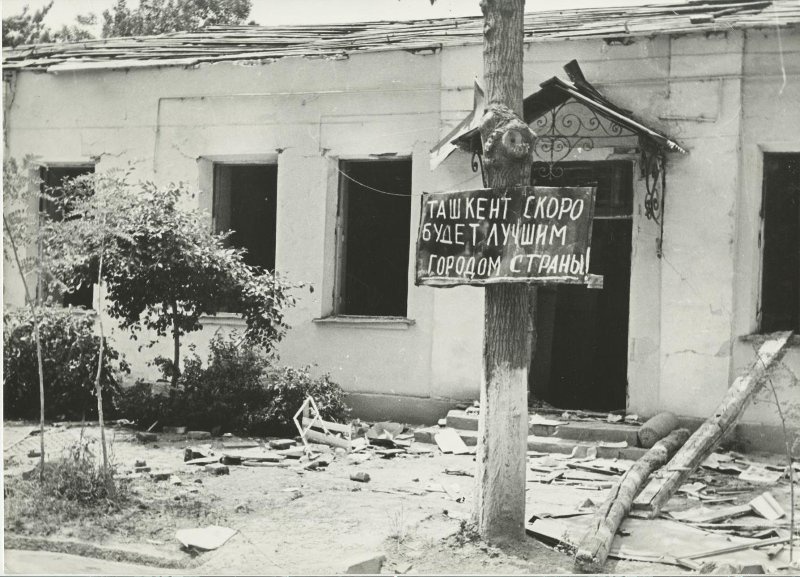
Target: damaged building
[[315, 143]]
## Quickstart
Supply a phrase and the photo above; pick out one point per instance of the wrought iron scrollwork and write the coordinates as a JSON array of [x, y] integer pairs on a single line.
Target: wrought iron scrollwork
[[566, 128], [655, 181], [477, 163]]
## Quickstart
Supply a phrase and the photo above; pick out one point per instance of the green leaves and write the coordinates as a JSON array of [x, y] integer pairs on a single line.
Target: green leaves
[[163, 269]]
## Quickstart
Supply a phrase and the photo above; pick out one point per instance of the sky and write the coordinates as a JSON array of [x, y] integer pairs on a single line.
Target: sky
[[277, 12]]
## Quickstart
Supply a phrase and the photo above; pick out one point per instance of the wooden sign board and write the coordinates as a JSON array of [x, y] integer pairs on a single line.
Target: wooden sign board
[[518, 234]]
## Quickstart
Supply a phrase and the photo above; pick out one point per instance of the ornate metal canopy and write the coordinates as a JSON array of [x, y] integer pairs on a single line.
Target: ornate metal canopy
[[569, 118]]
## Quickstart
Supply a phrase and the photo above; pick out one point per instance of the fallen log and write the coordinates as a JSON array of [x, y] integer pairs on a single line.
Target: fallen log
[[657, 428], [596, 543], [703, 441]]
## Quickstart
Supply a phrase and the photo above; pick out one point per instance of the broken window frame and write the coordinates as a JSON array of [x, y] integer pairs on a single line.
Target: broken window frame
[[765, 325], [39, 178], [340, 311]]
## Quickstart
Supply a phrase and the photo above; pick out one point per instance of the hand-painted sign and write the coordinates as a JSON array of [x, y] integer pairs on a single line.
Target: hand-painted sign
[[516, 234]]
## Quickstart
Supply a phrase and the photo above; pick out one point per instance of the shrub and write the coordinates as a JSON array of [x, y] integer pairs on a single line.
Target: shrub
[[69, 357], [239, 391], [73, 491]]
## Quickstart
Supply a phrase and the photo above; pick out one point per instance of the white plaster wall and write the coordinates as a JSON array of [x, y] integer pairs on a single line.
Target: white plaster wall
[[722, 96]]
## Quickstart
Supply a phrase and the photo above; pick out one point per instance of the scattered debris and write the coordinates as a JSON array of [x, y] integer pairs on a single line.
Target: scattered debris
[[759, 475], [340, 437], [536, 419], [202, 461], [146, 437], [596, 544], [710, 515], [140, 463], [360, 476], [198, 435], [206, 539], [34, 453], [704, 439], [175, 480], [656, 428], [613, 444], [217, 469], [458, 472], [174, 430], [192, 453], [160, 476], [263, 464], [241, 444], [316, 465], [369, 566], [766, 506], [293, 452], [282, 444], [612, 418], [449, 442]]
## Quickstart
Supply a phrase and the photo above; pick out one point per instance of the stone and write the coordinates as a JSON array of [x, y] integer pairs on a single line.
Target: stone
[[293, 452], [361, 477], [34, 453], [174, 430], [198, 435], [160, 476], [175, 480], [140, 463], [146, 437], [217, 469], [370, 566], [282, 444], [144, 469], [231, 460]]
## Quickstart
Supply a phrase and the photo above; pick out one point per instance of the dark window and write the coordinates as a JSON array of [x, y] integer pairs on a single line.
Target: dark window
[[373, 232], [245, 201], [53, 178], [780, 282]]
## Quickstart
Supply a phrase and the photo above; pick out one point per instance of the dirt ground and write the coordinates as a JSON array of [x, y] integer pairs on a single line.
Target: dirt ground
[[291, 520]]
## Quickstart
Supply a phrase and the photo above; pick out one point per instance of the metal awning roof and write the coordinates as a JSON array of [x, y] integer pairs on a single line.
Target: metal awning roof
[[555, 92]]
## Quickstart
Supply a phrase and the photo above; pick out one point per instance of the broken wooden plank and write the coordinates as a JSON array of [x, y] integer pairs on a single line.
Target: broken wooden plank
[[595, 545], [703, 515], [757, 543], [703, 441], [766, 506], [449, 442]]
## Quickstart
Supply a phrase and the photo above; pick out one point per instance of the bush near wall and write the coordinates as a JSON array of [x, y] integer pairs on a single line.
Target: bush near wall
[[240, 390], [69, 357]]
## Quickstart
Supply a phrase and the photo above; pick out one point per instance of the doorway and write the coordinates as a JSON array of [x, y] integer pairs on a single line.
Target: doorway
[[580, 361]]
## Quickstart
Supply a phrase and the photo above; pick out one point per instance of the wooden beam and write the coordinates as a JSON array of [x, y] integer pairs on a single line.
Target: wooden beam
[[596, 543], [703, 441]]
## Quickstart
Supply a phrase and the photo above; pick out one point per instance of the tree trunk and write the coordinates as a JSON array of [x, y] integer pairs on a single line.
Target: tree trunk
[[508, 330], [98, 385], [704, 439], [35, 314], [176, 342], [595, 545]]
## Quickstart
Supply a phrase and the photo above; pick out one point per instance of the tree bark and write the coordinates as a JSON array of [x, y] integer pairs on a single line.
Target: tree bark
[[508, 324], [176, 342], [98, 385], [704, 439], [595, 545]]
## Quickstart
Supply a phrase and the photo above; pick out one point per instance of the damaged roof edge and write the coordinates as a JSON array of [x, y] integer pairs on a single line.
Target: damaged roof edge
[[224, 43]]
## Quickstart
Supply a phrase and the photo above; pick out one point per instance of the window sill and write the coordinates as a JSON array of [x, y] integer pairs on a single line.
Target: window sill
[[223, 319], [389, 323]]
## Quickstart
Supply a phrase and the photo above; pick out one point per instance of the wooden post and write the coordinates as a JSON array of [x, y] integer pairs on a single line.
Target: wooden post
[[595, 545], [508, 323], [702, 442]]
